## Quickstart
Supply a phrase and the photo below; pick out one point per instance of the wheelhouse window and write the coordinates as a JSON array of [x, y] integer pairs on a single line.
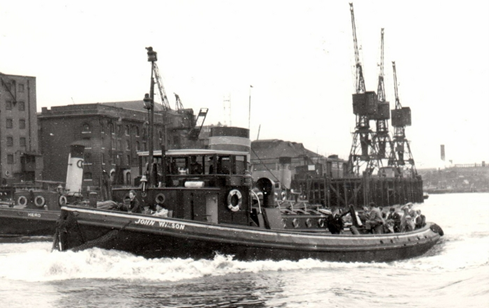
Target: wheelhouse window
[[206, 164]]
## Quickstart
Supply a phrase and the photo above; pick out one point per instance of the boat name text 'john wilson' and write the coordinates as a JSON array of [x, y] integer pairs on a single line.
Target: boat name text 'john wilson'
[[162, 224]]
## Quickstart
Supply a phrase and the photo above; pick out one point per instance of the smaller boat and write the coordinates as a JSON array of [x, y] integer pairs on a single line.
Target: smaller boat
[[34, 210], [212, 208]]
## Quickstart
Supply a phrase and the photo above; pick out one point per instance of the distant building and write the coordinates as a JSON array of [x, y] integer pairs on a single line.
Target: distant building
[[112, 133], [458, 178], [283, 161], [20, 158]]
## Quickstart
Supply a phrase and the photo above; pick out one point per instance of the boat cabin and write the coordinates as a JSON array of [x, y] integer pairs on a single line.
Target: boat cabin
[[203, 185]]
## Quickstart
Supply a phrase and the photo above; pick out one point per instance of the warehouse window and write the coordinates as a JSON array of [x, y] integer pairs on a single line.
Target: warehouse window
[[86, 128]]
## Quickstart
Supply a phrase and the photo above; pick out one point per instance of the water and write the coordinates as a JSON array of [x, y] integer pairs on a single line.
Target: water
[[455, 273]]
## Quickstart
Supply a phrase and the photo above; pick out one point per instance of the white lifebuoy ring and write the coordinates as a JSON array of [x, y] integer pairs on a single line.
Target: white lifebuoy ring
[[160, 198], [39, 201], [239, 196], [62, 200], [321, 222], [295, 223], [308, 223], [22, 200]]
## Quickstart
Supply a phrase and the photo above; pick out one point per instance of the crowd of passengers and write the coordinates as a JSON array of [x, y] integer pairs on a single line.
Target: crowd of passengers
[[374, 219], [132, 205]]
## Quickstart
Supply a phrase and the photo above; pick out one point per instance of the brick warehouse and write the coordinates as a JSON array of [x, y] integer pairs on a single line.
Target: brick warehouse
[[112, 134], [20, 158]]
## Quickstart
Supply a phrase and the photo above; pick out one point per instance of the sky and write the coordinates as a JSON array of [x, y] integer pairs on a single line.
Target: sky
[[297, 55]]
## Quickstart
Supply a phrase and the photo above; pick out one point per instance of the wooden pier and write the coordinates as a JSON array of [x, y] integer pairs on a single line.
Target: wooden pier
[[359, 191]]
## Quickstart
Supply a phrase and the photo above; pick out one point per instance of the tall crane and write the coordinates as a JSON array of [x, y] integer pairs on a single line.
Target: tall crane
[[382, 138], [401, 117], [363, 152], [178, 102]]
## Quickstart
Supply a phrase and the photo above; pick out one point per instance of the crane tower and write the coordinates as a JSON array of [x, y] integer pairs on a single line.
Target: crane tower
[[382, 138], [364, 152], [401, 117]]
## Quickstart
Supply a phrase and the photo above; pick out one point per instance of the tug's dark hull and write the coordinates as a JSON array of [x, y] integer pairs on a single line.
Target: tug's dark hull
[[152, 237], [27, 222]]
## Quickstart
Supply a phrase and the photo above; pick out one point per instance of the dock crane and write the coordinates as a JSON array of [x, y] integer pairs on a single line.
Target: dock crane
[[178, 102], [382, 138], [195, 125], [161, 88], [363, 150], [401, 117]]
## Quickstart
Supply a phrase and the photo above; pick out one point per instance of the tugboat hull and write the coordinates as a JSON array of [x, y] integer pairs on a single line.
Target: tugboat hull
[[154, 237], [27, 222]]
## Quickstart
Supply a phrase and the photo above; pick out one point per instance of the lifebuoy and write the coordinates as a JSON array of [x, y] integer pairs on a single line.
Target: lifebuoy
[[295, 223], [160, 198], [239, 196], [308, 223], [437, 229], [62, 200], [39, 201], [321, 222], [22, 200]]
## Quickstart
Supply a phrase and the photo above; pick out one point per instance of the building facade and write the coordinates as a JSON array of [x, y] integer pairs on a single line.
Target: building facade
[[285, 161], [20, 159], [111, 134]]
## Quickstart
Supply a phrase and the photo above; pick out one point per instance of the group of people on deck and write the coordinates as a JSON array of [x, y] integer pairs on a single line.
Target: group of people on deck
[[378, 221], [135, 207], [374, 220]]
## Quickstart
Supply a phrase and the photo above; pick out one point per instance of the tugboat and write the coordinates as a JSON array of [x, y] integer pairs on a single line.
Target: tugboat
[[34, 211], [196, 203], [207, 204]]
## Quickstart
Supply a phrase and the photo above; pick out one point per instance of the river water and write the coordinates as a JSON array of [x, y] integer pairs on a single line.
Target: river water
[[455, 273]]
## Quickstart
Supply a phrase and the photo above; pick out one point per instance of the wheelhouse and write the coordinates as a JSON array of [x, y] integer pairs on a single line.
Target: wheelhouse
[[205, 185]]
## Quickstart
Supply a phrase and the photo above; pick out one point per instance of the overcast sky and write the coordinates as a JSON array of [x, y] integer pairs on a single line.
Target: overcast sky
[[298, 55]]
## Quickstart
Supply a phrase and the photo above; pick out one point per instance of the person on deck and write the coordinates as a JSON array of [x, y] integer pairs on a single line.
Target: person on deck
[[420, 221], [160, 211], [407, 223], [134, 206], [375, 221], [394, 220], [195, 167]]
